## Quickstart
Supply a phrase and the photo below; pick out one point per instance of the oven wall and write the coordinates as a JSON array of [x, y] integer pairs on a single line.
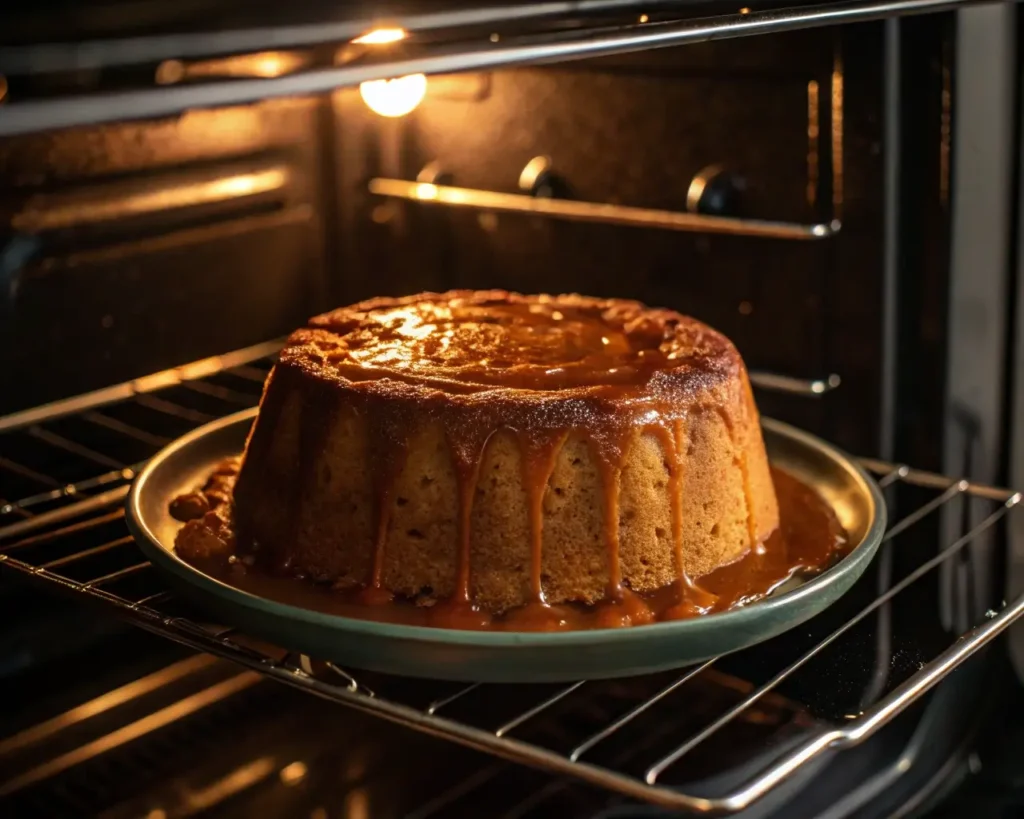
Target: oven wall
[[134, 247], [143, 245], [796, 117]]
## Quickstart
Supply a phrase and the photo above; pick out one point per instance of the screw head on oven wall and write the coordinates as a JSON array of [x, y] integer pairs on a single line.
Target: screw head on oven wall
[[715, 191], [538, 178]]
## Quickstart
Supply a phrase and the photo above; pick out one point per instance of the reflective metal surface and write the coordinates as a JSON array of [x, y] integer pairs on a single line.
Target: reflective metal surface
[[431, 194], [84, 553], [574, 43]]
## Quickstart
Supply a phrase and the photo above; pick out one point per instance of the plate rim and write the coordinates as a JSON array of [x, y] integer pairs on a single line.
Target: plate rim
[[166, 558]]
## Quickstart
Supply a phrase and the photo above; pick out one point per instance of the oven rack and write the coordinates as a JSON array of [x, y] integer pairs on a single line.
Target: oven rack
[[440, 43], [71, 539], [425, 192]]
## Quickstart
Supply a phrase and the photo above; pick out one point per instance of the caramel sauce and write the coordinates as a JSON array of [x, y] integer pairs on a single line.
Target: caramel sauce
[[472, 341], [808, 540]]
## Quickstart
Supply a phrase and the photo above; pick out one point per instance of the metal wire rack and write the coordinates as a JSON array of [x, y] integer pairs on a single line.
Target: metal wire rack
[[65, 469]]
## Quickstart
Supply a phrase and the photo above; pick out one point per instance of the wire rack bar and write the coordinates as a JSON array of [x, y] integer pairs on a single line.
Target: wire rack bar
[[930, 480], [132, 731], [174, 410], [344, 687], [114, 425], [140, 386], [883, 712], [70, 490], [105, 702], [574, 210], [438, 704], [60, 442], [537, 709], [95, 550], [575, 43], [637, 710], [120, 574], [64, 513], [655, 770], [25, 472]]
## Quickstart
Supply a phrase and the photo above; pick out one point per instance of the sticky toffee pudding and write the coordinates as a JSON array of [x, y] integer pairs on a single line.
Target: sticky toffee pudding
[[491, 460]]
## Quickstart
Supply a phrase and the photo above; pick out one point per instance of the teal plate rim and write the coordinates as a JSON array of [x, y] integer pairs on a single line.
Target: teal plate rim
[[736, 619]]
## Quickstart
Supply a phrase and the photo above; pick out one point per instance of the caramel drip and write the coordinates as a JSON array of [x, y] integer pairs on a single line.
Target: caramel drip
[[613, 480], [467, 455], [748, 497], [538, 462], [389, 444], [610, 449], [755, 542], [691, 598], [671, 439]]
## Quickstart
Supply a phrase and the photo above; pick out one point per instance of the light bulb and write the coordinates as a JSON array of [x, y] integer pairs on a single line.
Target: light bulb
[[394, 98], [380, 36]]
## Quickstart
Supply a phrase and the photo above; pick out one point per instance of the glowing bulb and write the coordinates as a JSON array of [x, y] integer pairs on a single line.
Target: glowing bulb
[[380, 36], [394, 98], [424, 190]]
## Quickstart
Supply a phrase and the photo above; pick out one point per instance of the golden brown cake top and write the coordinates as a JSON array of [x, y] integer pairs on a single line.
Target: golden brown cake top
[[468, 341]]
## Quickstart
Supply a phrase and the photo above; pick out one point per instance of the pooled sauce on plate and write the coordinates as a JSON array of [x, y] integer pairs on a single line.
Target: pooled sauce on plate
[[808, 540]]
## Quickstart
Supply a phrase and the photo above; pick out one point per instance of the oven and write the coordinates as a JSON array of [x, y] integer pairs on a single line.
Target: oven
[[184, 184]]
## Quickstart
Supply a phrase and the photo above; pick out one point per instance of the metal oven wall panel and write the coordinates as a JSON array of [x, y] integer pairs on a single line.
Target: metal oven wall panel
[[135, 247], [635, 131]]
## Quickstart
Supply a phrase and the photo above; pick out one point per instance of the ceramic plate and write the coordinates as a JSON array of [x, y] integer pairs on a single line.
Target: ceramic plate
[[503, 656]]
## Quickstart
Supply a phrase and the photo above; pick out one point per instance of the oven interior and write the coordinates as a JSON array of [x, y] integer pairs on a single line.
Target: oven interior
[[151, 265]]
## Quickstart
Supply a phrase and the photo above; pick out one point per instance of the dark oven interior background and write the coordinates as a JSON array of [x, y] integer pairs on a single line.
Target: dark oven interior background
[[138, 246], [133, 247]]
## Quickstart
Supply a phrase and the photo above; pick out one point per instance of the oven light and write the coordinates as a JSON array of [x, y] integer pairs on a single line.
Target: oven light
[[424, 190], [381, 36], [294, 773], [394, 98]]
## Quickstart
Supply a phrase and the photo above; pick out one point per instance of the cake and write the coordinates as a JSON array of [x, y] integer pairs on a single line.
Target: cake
[[485, 453]]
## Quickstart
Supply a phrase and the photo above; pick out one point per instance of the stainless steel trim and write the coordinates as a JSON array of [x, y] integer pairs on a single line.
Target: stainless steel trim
[[47, 212], [573, 211], [979, 296], [1015, 529], [572, 43], [90, 54], [891, 258]]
